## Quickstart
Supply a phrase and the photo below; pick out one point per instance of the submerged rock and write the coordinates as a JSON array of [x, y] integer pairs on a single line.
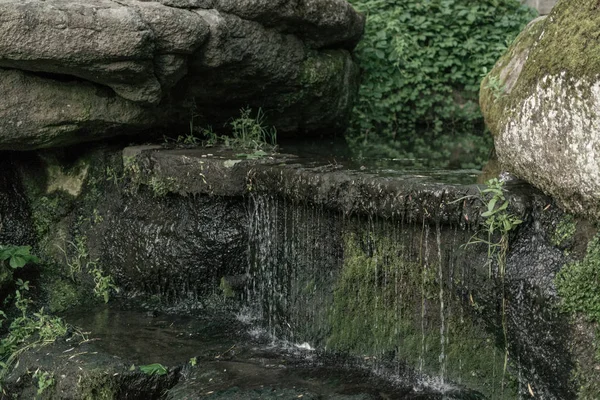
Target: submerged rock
[[542, 103], [75, 71]]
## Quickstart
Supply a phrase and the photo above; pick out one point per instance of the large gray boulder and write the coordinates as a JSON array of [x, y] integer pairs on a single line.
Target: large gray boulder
[[80, 70], [542, 103], [110, 43]]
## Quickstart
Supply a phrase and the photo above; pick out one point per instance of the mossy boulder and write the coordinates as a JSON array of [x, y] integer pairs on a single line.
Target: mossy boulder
[[542, 103]]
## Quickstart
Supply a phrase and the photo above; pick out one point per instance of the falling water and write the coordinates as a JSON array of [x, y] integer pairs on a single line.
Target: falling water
[[442, 318], [381, 289]]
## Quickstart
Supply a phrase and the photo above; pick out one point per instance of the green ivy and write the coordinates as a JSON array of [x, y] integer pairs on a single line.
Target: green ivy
[[422, 63]]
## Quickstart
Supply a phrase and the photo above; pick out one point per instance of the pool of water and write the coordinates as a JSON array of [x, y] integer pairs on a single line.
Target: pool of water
[[335, 153], [226, 357]]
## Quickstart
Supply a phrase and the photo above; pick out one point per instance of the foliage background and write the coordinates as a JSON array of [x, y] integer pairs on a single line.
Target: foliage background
[[422, 62]]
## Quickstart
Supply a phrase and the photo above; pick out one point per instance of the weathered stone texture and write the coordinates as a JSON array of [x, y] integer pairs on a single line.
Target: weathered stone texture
[[542, 103], [100, 67]]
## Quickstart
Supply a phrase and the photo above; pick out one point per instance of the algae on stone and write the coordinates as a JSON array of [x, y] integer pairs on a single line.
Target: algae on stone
[[386, 306], [578, 284]]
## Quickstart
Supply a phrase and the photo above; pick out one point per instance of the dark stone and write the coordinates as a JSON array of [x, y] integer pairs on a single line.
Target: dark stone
[[15, 222]]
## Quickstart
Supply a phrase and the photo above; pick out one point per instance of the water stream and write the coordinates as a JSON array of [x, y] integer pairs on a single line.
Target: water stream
[[385, 291]]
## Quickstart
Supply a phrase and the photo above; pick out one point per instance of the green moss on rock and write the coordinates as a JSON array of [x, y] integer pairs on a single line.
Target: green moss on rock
[[497, 108], [98, 385], [565, 229], [320, 67], [569, 32], [561, 44], [62, 295], [387, 306], [578, 283]]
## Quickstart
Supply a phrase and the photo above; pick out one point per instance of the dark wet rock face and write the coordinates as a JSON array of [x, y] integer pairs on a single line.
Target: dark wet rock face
[[131, 221], [15, 225], [75, 71], [182, 247]]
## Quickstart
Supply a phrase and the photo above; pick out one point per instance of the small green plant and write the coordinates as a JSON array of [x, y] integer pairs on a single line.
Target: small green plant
[[17, 256], [26, 331], [11, 258], [80, 262], [497, 224], [154, 369], [193, 361], [96, 217], [45, 380], [80, 256], [251, 133], [211, 138], [104, 284], [113, 176]]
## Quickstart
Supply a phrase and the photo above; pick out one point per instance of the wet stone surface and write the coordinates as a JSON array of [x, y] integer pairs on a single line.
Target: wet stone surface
[[230, 361]]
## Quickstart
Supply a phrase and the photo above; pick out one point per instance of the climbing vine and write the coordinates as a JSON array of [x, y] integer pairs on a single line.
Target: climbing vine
[[422, 63]]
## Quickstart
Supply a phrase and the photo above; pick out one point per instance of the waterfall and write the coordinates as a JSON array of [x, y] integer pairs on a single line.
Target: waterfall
[[393, 293]]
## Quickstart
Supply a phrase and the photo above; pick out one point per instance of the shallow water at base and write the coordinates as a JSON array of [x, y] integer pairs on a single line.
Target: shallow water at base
[[233, 360]]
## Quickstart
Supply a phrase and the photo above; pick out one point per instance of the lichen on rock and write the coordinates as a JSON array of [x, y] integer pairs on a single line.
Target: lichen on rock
[[546, 121]]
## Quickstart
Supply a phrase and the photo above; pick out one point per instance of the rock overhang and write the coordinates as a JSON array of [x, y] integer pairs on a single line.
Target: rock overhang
[[105, 68]]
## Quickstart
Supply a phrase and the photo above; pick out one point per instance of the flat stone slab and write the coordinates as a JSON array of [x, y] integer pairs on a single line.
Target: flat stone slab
[[409, 196]]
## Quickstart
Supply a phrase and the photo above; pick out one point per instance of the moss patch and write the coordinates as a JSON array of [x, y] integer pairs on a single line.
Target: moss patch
[[578, 283], [553, 46], [98, 385], [496, 108], [320, 67], [569, 32], [565, 229], [387, 306], [62, 295]]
